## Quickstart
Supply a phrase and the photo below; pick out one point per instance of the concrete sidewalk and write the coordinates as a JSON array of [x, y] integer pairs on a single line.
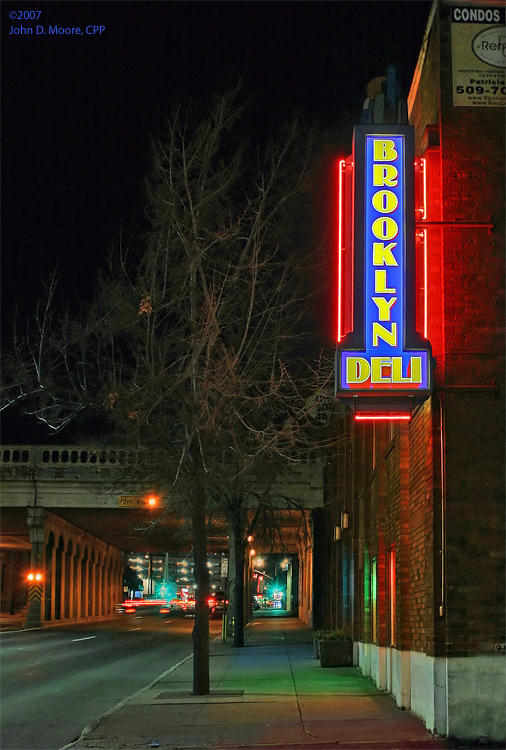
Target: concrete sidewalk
[[272, 693]]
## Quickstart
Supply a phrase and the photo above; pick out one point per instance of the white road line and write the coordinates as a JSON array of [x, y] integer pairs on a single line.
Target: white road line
[[167, 621], [88, 638], [134, 629]]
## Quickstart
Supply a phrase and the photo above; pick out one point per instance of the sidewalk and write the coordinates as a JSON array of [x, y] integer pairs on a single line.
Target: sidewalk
[[271, 694]]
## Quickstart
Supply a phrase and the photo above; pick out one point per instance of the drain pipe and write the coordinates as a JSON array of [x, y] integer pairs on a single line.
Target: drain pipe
[[442, 436], [441, 667]]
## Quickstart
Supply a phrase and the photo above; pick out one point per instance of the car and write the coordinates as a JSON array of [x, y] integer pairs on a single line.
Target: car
[[141, 606], [217, 602]]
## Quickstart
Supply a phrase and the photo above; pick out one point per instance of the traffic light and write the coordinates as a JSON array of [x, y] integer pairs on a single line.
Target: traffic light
[[34, 576]]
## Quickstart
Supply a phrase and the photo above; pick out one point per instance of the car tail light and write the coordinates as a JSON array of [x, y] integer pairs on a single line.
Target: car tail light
[[130, 609], [165, 609]]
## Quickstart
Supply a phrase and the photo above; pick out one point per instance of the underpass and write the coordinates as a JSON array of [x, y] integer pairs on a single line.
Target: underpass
[[69, 516]]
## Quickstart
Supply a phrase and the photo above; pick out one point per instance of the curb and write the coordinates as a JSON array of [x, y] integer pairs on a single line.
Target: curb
[[87, 730]]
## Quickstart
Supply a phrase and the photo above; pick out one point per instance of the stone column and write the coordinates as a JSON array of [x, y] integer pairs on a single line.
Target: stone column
[[35, 588]]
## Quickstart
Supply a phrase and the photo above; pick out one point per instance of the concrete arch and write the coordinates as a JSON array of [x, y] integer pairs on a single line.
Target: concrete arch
[[98, 585], [110, 603], [68, 570], [58, 575], [91, 585], [76, 578], [84, 583], [82, 573], [103, 586]]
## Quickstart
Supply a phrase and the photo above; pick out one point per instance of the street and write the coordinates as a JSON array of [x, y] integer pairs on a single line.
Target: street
[[55, 682]]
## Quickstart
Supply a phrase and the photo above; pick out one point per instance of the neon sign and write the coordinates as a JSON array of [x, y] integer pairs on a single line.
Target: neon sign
[[383, 355]]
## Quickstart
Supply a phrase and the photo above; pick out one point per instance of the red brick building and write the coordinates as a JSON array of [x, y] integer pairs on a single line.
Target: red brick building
[[417, 576]]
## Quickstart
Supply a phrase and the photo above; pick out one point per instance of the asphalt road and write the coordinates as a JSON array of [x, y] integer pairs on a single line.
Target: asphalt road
[[57, 681]]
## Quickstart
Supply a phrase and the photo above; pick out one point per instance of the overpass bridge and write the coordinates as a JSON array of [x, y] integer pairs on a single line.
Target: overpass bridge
[[68, 512]]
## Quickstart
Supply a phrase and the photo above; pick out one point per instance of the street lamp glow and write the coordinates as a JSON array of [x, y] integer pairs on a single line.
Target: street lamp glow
[[34, 577]]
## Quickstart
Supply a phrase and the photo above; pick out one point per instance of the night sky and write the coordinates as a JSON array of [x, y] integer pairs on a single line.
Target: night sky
[[78, 111]]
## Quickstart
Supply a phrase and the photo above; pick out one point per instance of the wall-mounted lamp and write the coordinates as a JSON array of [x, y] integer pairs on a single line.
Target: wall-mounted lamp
[[345, 519], [337, 533]]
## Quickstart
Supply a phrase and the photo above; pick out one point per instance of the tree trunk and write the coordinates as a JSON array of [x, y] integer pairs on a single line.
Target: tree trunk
[[201, 626], [239, 549]]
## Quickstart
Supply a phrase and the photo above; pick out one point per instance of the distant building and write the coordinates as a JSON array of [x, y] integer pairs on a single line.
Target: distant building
[[173, 574], [409, 550]]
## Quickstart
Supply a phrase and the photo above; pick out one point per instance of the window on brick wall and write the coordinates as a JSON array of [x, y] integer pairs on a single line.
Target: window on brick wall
[[391, 604], [374, 598]]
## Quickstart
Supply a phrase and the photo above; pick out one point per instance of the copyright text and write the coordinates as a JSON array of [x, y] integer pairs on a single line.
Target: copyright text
[[61, 30]]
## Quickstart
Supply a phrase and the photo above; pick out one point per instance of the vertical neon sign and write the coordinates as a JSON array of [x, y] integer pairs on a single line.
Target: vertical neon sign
[[384, 354]]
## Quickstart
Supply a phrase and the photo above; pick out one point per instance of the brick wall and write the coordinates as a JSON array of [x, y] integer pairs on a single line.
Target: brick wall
[[474, 521], [421, 529], [464, 147], [434, 488]]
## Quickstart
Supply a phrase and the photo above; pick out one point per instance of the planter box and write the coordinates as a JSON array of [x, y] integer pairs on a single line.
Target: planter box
[[336, 653]]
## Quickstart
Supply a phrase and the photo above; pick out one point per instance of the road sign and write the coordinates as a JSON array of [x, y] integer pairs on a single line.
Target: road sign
[[130, 501], [224, 567]]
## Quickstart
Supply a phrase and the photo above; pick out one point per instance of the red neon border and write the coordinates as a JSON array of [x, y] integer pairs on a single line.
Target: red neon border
[[423, 170], [382, 417], [341, 166]]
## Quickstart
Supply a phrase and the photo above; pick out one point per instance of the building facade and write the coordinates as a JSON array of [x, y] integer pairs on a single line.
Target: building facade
[[409, 550]]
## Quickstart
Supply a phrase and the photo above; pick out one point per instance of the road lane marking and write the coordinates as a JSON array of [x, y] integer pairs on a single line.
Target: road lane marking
[[167, 621], [88, 638], [134, 629]]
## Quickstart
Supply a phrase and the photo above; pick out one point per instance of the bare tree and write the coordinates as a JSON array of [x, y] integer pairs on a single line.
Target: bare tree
[[197, 345]]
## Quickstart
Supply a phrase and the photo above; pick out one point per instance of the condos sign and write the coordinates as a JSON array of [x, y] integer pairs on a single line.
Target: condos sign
[[478, 55], [383, 354]]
